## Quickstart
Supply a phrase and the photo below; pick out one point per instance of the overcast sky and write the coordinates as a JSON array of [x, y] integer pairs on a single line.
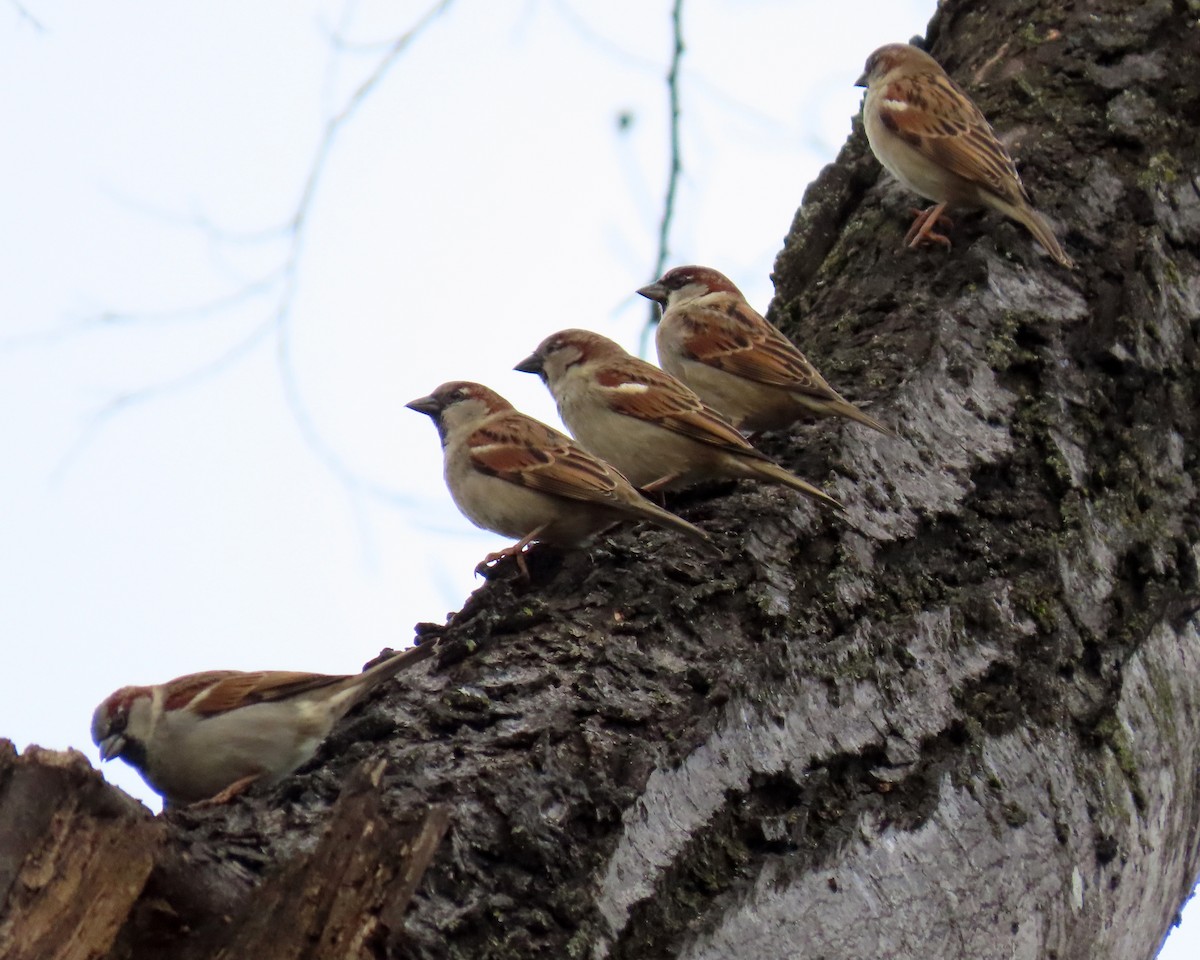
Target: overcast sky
[[191, 482]]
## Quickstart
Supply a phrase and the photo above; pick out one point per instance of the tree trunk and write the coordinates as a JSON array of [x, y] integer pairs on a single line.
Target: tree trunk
[[962, 721]]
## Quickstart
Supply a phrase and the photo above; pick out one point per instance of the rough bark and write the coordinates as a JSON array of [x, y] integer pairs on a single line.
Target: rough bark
[[961, 722], [74, 856]]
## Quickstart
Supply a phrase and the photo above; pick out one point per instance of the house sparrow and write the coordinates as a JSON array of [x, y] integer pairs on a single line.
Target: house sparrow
[[514, 475], [929, 134], [208, 736], [715, 342], [644, 421]]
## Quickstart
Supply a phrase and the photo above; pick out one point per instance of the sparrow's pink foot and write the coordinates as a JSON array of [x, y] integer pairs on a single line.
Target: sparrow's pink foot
[[922, 231], [231, 791], [516, 551]]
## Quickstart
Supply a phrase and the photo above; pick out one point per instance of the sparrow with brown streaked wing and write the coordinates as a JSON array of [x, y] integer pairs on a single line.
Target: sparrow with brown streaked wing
[[935, 141], [715, 342], [208, 736], [645, 422], [513, 475]]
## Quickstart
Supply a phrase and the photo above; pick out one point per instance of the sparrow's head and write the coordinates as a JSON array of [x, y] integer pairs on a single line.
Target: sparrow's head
[[687, 283], [560, 351], [458, 402], [896, 59], [122, 724]]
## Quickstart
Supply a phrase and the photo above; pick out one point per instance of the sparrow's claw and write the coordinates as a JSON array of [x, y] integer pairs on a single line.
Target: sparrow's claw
[[231, 791], [487, 567], [517, 551], [922, 230], [661, 484]]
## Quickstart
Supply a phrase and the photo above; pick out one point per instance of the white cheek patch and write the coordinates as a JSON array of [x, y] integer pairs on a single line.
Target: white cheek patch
[[895, 104]]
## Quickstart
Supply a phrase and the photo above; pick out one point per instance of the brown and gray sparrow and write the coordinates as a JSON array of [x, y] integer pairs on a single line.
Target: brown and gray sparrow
[[514, 475], [720, 346], [934, 140], [208, 736], [644, 421]]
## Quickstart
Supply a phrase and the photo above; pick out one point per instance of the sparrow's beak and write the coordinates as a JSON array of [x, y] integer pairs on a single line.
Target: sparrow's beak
[[861, 81], [532, 364], [654, 291], [430, 406], [111, 746]]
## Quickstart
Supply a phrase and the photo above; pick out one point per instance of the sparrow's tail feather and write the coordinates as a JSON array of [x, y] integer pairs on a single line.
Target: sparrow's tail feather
[[774, 473], [353, 688], [665, 518], [833, 404], [386, 669], [1036, 224], [851, 412]]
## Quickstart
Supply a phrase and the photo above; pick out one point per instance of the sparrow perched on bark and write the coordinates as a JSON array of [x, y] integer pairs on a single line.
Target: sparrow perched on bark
[[208, 736], [514, 475], [644, 421], [715, 342], [934, 140]]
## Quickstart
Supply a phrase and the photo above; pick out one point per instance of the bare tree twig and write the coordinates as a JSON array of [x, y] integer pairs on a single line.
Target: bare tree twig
[[584, 30], [251, 289], [24, 14], [321, 447], [676, 167], [335, 35], [212, 231], [122, 402], [283, 278]]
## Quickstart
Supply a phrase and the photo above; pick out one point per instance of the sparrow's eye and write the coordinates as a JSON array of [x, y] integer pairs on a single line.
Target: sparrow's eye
[[119, 719]]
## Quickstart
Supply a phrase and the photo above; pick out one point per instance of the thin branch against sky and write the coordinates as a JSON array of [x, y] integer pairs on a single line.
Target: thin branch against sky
[[24, 13], [354, 482], [676, 162], [280, 281], [277, 287]]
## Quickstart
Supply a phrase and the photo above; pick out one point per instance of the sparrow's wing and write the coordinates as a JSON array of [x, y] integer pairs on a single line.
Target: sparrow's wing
[[931, 113], [218, 691], [647, 393], [530, 454], [736, 339]]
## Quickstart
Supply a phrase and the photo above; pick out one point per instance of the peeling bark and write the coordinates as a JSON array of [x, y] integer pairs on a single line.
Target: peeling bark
[[345, 900], [74, 856], [963, 721]]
